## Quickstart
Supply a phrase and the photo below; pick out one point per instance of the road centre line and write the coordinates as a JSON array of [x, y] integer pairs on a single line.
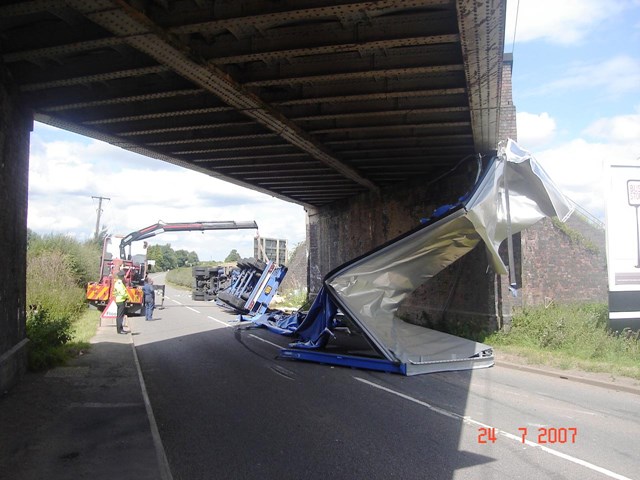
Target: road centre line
[[192, 309], [517, 438], [174, 301]]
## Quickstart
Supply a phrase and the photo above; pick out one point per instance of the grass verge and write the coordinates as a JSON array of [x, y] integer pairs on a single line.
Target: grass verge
[[56, 340], [571, 337]]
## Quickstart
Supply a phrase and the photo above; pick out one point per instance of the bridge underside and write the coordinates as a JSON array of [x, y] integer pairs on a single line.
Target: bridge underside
[[309, 100], [350, 108]]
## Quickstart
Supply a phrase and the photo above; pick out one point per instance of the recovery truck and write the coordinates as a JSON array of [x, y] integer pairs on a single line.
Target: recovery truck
[[115, 257]]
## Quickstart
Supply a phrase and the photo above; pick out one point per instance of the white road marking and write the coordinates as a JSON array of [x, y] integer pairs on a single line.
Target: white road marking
[[219, 321], [517, 438], [266, 341], [175, 301], [192, 309]]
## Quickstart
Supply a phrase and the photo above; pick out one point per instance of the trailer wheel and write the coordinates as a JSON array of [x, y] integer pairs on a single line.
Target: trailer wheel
[[199, 271], [197, 296], [258, 264]]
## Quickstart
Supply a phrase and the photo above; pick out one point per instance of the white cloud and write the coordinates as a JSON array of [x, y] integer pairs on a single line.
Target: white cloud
[[578, 167], [623, 128], [535, 130], [612, 77], [64, 175], [563, 22]]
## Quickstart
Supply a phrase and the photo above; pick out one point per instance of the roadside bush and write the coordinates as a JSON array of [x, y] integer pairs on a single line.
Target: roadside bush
[[58, 269], [82, 259], [52, 286], [47, 335]]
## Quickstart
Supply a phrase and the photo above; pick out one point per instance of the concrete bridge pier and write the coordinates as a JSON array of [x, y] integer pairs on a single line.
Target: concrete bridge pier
[[16, 123]]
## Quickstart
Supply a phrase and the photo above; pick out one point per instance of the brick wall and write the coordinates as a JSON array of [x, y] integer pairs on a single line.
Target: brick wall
[[562, 268], [508, 126], [15, 127], [341, 232]]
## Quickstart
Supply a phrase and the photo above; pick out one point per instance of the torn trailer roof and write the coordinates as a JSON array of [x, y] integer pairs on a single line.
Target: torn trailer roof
[[513, 192]]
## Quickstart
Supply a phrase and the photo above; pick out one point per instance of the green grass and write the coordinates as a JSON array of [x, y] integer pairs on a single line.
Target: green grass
[[294, 299], [570, 337], [182, 277], [56, 339]]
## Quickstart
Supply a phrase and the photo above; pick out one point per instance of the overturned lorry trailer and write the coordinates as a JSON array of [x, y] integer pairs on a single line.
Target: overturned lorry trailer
[[253, 286], [512, 192]]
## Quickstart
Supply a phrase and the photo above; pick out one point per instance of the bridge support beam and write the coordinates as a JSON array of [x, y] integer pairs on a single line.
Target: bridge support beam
[[16, 123]]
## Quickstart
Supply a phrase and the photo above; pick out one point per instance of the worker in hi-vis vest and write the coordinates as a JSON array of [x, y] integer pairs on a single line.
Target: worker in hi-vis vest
[[121, 296]]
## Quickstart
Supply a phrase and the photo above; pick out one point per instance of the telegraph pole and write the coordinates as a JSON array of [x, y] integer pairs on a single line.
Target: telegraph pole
[[99, 214]]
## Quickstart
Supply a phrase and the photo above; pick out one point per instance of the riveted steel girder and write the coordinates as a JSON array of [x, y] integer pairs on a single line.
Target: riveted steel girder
[[122, 20], [481, 44], [262, 21]]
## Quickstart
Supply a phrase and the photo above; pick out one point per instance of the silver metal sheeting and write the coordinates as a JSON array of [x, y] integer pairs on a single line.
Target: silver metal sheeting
[[371, 289]]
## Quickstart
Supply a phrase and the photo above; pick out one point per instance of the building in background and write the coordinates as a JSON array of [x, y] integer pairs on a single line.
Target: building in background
[[270, 249]]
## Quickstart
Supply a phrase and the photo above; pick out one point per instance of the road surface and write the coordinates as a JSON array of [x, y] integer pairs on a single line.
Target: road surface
[[228, 408]]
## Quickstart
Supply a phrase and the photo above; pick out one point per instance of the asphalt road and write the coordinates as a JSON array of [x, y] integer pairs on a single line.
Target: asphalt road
[[227, 408]]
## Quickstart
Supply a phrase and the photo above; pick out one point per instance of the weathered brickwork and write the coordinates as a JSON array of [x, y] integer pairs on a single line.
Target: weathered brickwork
[[508, 127], [15, 127], [349, 229], [562, 270]]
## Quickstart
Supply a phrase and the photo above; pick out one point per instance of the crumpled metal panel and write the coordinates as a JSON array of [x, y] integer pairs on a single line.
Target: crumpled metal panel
[[371, 289]]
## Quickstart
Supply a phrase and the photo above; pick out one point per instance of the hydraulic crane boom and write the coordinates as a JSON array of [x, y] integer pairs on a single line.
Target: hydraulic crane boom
[[162, 227]]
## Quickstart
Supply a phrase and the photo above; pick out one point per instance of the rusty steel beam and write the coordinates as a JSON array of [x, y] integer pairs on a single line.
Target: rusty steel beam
[[325, 181], [253, 157], [481, 26], [373, 96], [338, 48], [268, 19], [392, 127], [98, 77], [61, 50], [412, 163], [233, 149], [140, 32], [18, 9], [149, 116], [366, 74], [382, 113], [278, 175], [405, 150], [370, 141], [211, 139], [122, 100], [186, 128], [236, 166]]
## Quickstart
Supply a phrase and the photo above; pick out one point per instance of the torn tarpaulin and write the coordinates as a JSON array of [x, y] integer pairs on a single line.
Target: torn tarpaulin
[[313, 328]]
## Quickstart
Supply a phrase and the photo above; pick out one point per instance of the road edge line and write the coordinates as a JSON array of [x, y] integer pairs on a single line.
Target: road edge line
[[161, 456], [571, 378]]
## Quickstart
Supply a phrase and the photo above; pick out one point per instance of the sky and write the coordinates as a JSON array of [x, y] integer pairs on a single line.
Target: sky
[[576, 88]]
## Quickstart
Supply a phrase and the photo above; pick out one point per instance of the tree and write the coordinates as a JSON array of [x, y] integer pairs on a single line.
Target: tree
[[182, 258], [233, 256], [164, 257], [193, 259]]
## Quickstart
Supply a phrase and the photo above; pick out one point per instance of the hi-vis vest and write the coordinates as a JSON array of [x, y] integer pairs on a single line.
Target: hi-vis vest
[[120, 291]]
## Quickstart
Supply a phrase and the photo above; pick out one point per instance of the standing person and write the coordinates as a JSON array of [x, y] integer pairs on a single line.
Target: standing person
[[149, 298], [121, 296]]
